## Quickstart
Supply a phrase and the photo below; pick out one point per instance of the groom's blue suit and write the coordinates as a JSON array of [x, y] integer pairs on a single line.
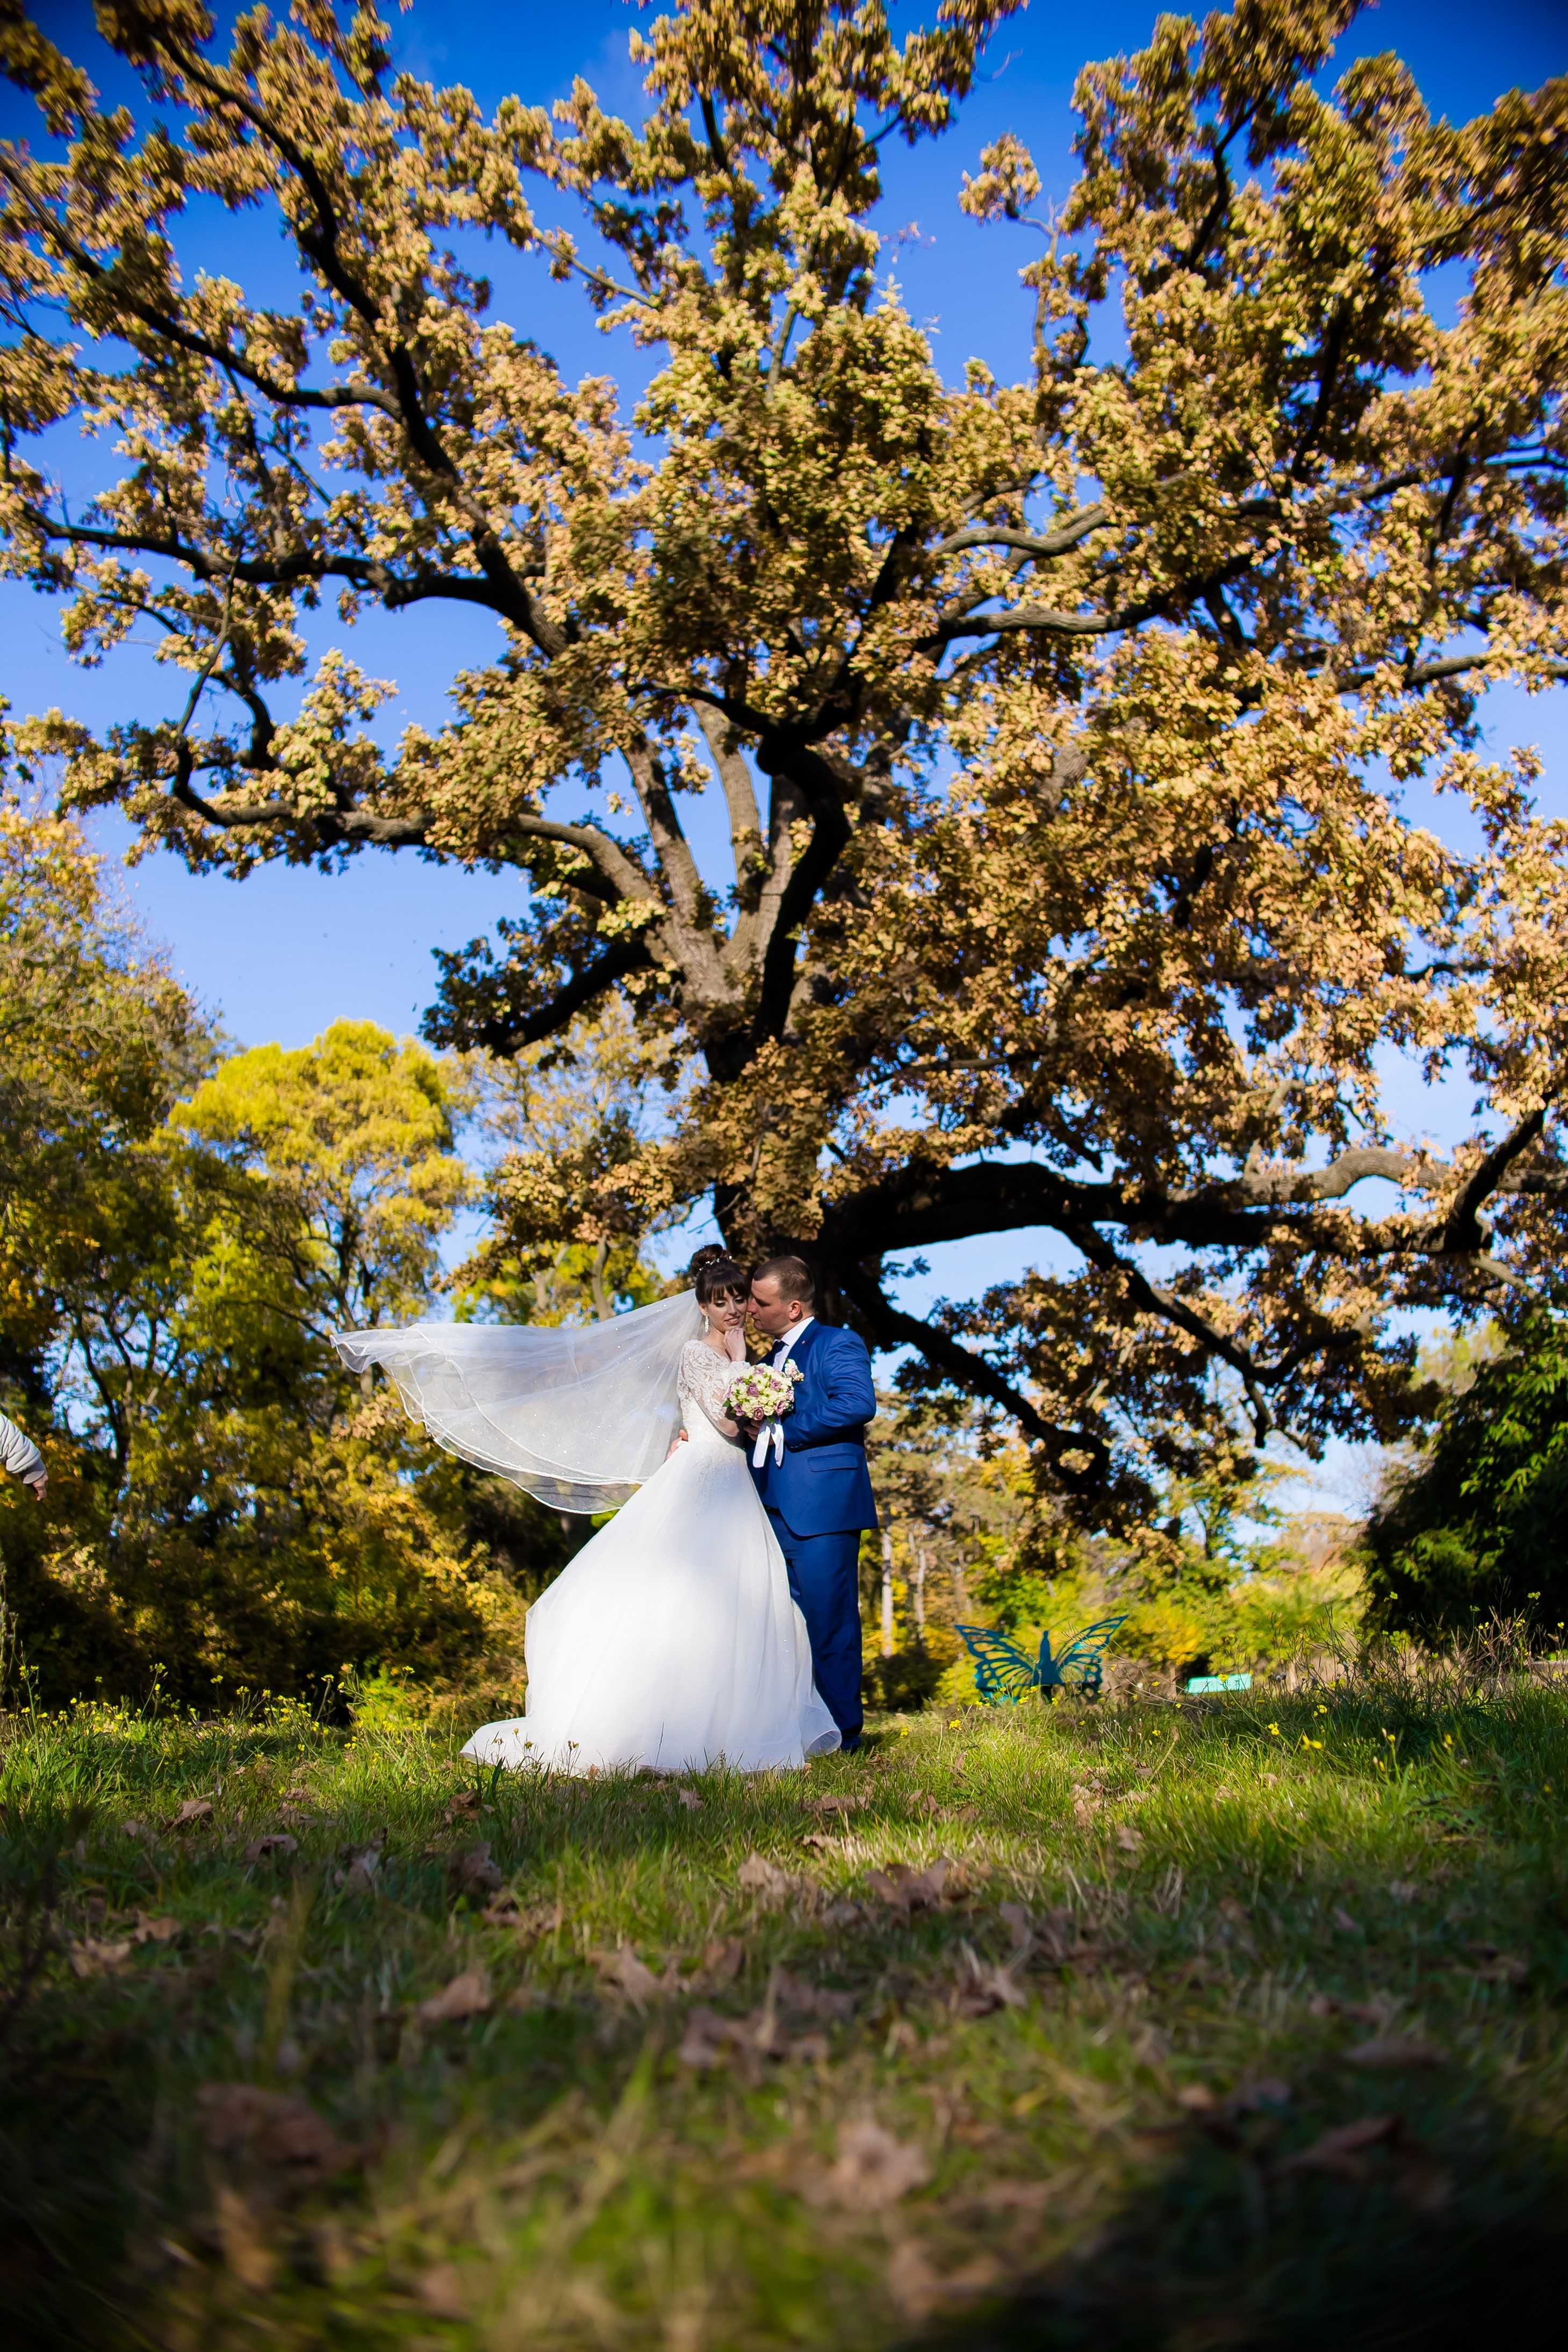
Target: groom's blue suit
[[818, 1498]]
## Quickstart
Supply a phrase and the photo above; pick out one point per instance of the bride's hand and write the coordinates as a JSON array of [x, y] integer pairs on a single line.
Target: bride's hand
[[735, 1346]]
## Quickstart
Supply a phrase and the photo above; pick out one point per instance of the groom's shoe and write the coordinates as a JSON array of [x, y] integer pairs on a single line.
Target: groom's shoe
[[848, 1742]]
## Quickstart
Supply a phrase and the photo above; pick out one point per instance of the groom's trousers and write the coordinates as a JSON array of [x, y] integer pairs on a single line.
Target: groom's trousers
[[824, 1578]]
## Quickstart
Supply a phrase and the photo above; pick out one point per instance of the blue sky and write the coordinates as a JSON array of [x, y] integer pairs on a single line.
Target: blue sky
[[287, 951]]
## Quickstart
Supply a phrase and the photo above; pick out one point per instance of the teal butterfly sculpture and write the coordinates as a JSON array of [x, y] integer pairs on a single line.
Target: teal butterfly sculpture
[[1003, 1672]]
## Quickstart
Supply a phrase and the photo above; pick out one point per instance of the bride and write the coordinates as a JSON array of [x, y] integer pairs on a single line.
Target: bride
[[671, 1640]]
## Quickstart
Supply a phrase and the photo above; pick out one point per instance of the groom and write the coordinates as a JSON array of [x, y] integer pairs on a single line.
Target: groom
[[819, 1497]]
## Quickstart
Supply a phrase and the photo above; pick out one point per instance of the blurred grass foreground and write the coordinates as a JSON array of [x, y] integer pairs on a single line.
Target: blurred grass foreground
[[1225, 2022]]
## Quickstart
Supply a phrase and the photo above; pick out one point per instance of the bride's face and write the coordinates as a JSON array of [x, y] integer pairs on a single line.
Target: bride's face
[[725, 1313]]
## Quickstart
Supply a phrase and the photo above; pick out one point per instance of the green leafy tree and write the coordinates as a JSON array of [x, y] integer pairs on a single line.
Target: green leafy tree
[[1476, 1526], [224, 1504], [96, 1041], [355, 1140]]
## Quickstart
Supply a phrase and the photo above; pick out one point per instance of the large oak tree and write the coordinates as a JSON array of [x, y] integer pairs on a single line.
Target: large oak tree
[[1062, 724]]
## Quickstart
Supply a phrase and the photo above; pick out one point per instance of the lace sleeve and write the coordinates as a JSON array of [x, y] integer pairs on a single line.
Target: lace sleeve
[[705, 1377]]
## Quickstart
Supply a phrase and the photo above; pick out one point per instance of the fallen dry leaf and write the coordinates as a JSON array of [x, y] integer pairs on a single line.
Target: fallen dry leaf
[[691, 1799], [276, 2130], [835, 1804], [193, 1809], [980, 1988], [94, 1956], [807, 2000], [1342, 2150], [466, 1800], [529, 1919], [722, 1962], [276, 1841], [873, 2169], [1084, 1805], [1019, 1924], [360, 1874], [904, 1889], [440, 2292], [1488, 1966], [707, 2039], [919, 2290], [1418, 2177], [1130, 1840], [135, 1830], [1059, 1938], [296, 1796], [711, 2039], [1015, 2196], [162, 1929], [1259, 2095], [758, 1875], [1342, 1920], [1403, 1890], [242, 2239], [473, 1872], [622, 1970], [467, 1995], [1395, 2050]]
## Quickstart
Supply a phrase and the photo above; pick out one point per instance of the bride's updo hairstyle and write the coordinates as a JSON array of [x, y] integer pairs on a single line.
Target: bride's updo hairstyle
[[716, 1274]]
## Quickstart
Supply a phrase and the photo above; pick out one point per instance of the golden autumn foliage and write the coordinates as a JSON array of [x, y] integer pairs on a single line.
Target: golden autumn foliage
[[1064, 725], [223, 1507]]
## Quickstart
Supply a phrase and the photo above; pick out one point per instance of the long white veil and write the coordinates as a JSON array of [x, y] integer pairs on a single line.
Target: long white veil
[[577, 1415]]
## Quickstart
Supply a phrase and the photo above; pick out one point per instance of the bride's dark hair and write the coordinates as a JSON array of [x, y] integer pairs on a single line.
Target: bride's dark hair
[[717, 1275]]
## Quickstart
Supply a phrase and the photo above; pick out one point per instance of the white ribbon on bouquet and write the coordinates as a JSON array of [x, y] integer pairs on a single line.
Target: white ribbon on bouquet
[[771, 1433]]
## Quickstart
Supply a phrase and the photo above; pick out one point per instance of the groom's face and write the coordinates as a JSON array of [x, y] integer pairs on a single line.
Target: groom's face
[[775, 1316]]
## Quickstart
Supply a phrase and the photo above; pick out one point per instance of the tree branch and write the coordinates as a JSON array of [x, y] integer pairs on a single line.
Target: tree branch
[[1044, 544], [740, 797], [505, 1035], [617, 865], [357, 395], [1461, 1230], [794, 882], [892, 1327], [322, 247], [289, 572], [1053, 622], [334, 826]]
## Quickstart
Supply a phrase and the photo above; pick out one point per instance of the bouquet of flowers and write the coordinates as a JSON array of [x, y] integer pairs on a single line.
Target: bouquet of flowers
[[764, 1393]]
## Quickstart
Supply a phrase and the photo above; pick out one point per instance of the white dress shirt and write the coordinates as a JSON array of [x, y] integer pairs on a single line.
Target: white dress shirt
[[785, 1346]]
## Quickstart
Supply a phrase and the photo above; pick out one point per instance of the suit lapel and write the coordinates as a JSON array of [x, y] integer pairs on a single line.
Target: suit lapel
[[802, 1347]]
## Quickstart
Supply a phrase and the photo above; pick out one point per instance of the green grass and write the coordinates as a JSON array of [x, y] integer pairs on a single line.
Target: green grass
[[1065, 2104]]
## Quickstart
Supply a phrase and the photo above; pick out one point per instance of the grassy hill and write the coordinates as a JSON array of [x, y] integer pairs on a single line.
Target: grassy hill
[[1158, 2026]]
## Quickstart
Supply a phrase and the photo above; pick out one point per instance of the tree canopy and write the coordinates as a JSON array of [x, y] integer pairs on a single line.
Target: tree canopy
[[178, 1232], [1474, 1526], [1063, 725]]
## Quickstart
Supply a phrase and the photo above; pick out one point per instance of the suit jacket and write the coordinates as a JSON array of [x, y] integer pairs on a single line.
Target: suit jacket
[[822, 1487]]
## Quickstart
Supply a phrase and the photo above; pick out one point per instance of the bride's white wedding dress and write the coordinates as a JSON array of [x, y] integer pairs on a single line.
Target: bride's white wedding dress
[[671, 1639]]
